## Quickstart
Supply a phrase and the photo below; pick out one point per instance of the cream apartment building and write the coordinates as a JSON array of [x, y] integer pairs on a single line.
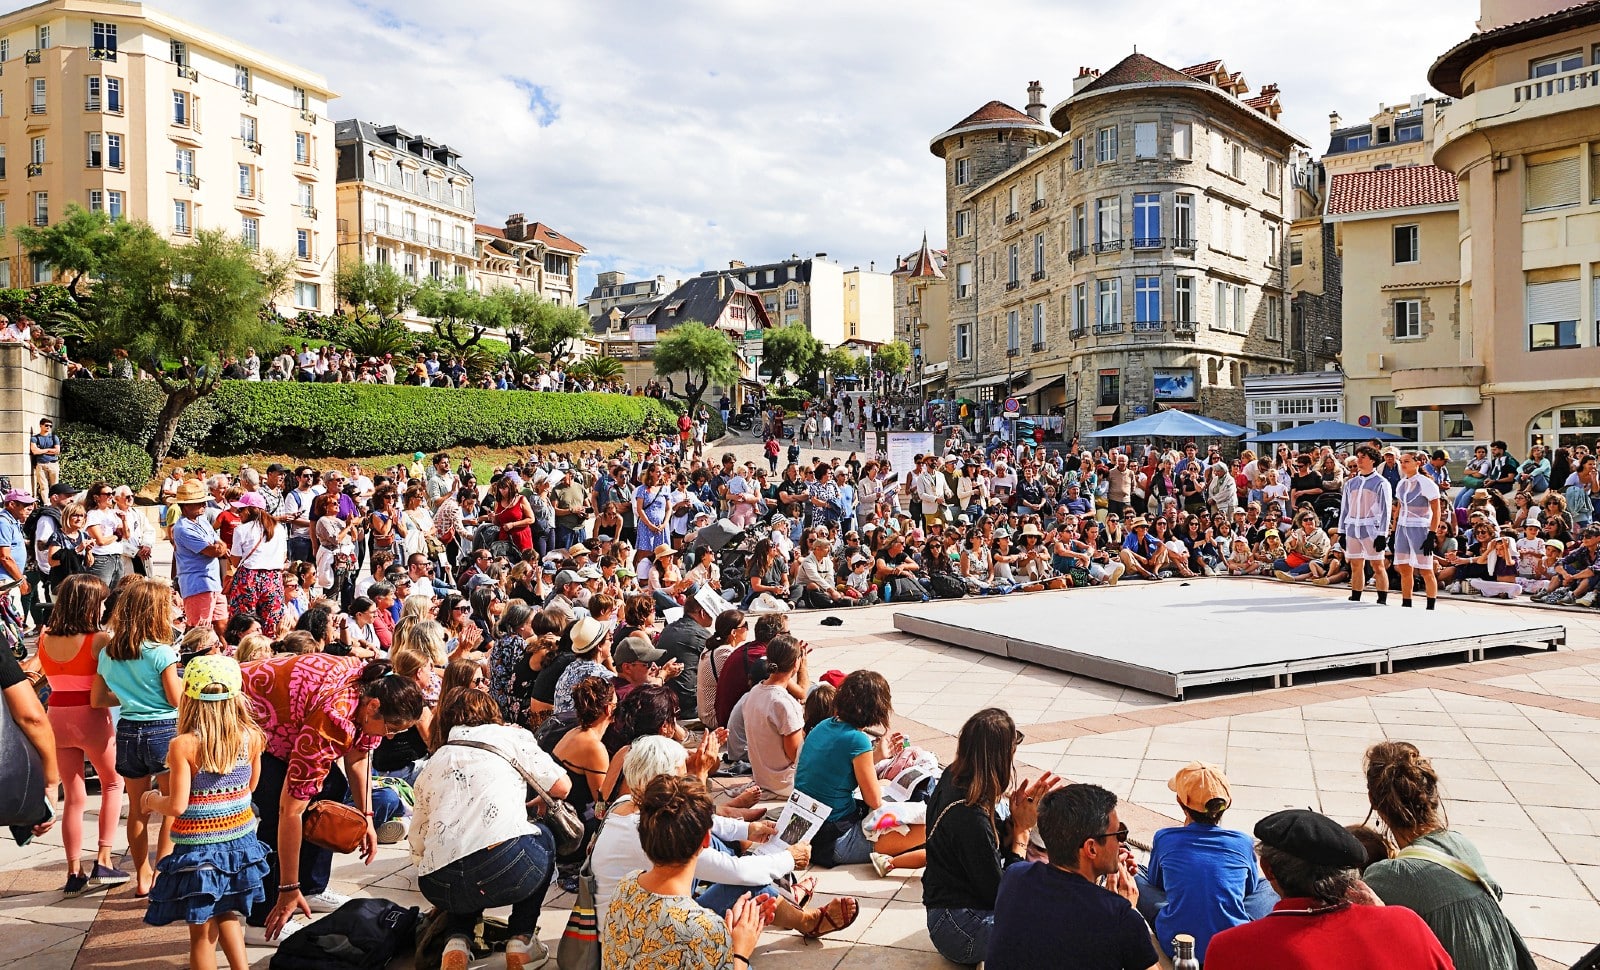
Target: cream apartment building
[[1523, 141], [120, 108], [1126, 256]]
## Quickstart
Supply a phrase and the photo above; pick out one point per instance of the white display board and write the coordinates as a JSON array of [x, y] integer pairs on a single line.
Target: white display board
[[905, 446]]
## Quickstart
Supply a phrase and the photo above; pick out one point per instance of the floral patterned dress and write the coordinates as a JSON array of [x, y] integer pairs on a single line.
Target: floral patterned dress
[[666, 932]]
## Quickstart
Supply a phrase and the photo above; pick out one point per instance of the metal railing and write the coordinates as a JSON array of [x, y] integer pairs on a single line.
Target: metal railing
[[1180, 243], [1076, 254], [1038, 204], [309, 211], [1038, 275], [1147, 242], [1013, 284], [1108, 246], [102, 53], [431, 240], [189, 179], [1012, 217], [306, 114], [1185, 328], [35, 169], [34, 56], [36, 108], [187, 73], [1105, 328], [1149, 326], [248, 96], [1038, 345]]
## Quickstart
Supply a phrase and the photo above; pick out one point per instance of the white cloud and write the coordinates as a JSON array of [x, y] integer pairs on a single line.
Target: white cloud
[[673, 136]]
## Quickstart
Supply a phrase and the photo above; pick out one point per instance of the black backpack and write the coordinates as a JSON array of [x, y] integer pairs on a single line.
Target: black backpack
[[363, 934], [30, 529]]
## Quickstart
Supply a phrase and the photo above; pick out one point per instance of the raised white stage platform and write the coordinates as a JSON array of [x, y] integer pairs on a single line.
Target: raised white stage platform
[[1166, 637]]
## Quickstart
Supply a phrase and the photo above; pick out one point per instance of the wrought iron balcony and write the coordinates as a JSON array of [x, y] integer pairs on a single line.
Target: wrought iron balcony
[[1105, 328], [102, 53], [1147, 242], [1184, 328], [1108, 246], [1013, 284], [35, 169], [1076, 254], [1186, 245], [1148, 326], [33, 57], [1012, 217], [187, 73]]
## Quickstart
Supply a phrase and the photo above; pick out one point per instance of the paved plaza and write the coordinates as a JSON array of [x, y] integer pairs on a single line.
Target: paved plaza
[[1516, 739]]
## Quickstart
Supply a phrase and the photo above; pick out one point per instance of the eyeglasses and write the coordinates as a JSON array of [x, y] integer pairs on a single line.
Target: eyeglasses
[[1121, 835], [463, 608]]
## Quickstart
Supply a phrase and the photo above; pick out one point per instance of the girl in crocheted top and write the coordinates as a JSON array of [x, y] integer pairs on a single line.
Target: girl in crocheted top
[[214, 874]]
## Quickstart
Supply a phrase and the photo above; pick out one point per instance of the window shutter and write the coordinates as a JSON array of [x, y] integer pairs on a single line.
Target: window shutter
[[1553, 302], [1594, 294], [1553, 184]]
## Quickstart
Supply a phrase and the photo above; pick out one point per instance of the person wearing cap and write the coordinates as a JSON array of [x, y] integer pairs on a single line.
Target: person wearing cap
[[1312, 863], [638, 662], [1142, 553], [197, 554], [1201, 878], [13, 544], [591, 644], [571, 501], [568, 591], [45, 450], [1081, 902], [259, 553]]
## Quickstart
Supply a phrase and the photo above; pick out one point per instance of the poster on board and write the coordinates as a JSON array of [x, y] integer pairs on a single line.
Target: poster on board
[[904, 446]]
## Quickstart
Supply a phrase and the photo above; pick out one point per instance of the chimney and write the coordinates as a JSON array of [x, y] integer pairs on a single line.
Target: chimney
[[1333, 121], [736, 264], [1035, 100], [516, 227], [1085, 75], [722, 287]]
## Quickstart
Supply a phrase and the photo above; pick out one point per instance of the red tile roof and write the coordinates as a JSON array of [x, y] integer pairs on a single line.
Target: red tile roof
[[1391, 188], [994, 111], [1137, 69], [489, 230], [1202, 70], [542, 233]]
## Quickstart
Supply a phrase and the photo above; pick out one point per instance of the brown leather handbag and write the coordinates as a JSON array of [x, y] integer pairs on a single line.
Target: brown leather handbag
[[334, 826]]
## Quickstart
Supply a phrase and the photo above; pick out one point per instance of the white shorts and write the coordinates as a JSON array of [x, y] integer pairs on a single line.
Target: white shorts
[[1360, 548]]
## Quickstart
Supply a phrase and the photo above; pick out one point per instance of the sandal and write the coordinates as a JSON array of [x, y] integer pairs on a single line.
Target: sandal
[[802, 890], [831, 919]]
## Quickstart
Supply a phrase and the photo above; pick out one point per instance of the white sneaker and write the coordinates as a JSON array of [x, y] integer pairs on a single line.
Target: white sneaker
[[326, 901], [1587, 599], [457, 954], [257, 935], [394, 830], [526, 956], [881, 863]]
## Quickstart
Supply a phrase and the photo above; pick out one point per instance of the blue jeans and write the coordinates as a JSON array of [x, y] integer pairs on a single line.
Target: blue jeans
[[316, 864], [142, 746], [566, 538], [720, 898], [1283, 565], [515, 873], [960, 935]]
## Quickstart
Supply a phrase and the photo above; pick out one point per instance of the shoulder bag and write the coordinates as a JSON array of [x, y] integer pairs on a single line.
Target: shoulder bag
[[334, 826], [579, 948], [1525, 960], [562, 818]]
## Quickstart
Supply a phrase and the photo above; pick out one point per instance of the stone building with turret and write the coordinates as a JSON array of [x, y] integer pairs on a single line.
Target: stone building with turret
[[1123, 254]]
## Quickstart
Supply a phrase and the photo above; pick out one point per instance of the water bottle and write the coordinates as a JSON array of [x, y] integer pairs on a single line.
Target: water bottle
[[1183, 953]]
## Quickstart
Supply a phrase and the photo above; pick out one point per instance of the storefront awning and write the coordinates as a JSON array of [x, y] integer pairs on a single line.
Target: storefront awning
[[1039, 385], [996, 381], [929, 380], [1108, 413]]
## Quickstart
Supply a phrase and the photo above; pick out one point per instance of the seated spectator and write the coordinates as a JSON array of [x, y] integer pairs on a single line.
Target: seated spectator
[[1438, 873], [1044, 910], [1142, 553], [744, 667], [969, 844], [773, 721], [1311, 862], [727, 633], [1201, 877], [820, 587], [1306, 547]]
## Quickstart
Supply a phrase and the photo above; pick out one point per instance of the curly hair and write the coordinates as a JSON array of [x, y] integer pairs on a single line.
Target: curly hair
[[863, 700], [1403, 788], [591, 698]]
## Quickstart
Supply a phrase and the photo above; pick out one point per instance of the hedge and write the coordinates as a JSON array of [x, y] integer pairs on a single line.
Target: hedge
[[90, 455], [361, 419]]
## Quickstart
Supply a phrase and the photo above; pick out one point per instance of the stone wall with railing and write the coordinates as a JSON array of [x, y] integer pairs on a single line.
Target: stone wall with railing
[[30, 389]]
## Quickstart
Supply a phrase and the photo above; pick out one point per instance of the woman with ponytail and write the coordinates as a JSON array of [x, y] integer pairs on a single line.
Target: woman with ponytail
[[320, 714], [1437, 873]]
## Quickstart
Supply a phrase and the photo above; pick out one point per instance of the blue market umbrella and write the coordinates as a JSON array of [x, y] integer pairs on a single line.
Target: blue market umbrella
[[1172, 424], [1325, 431]]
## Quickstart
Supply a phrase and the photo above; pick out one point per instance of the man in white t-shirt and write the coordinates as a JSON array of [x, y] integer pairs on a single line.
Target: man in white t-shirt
[[774, 722]]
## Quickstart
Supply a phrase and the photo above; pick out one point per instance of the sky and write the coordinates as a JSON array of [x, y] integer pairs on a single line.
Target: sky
[[671, 136]]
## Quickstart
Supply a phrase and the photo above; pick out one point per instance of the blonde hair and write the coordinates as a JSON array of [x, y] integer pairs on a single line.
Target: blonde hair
[[142, 614], [253, 647], [413, 610], [419, 647], [223, 730], [197, 640]]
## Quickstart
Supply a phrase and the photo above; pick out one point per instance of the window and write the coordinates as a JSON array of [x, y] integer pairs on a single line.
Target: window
[[963, 225], [247, 129], [1221, 299], [1241, 322], [1108, 298], [247, 182], [179, 52], [105, 36], [1274, 244], [1011, 203], [1110, 387], [1559, 64], [381, 256], [302, 148], [5, 54], [963, 280], [1183, 141], [42, 273], [1144, 139], [1552, 311], [250, 231], [1221, 227], [1407, 319], [114, 205], [1146, 220], [1358, 142], [299, 99], [1011, 264], [1454, 424], [963, 341], [114, 95], [436, 269], [1405, 244], [1038, 256], [180, 217], [180, 108], [1080, 228], [91, 101], [1183, 220], [302, 243], [791, 299], [38, 151], [1237, 168], [408, 178], [1038, 188], [114, 152], [963, 171], [1274, 318], [38, 96], [1274, 178], [1013, 334], [1077, 154], [1108, 221], [5, 273], [2, 161], [1038, 326], [1105, 145], [97, 200], [380, 171], [1146, 302], [94, 156], [308, 200], [408, 265], [1080, 308], [308, 295], [1296, 251], [41, 37], [241, 78], [1183, 299], [183, 161], [1408, 129], [1395, 420], [1553, 184]]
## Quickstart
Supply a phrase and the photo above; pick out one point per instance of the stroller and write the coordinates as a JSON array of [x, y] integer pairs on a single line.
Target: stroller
[[487, 537], [732, 547]]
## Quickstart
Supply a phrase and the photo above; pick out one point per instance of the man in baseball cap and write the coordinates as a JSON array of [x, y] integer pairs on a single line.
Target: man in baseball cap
[[1201, 878], [638, 662], [1313, 862], [13, 544]]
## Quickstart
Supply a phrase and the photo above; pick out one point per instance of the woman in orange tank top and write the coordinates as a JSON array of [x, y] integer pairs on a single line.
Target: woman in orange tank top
[[69, 654]]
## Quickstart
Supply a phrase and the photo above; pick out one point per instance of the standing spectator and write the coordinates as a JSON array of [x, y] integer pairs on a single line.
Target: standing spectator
[[197, 554], [571, 501], [259, 555], [45, 447], [135, 535], [1044, 910], [106, 532]]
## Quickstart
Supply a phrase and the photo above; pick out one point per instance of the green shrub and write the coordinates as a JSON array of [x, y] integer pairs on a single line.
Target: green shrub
[[362, 419], [789, 399], [91, 455]]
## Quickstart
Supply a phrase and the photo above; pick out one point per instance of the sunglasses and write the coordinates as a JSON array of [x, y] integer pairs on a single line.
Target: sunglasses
[[463, 608], [1121, 835]]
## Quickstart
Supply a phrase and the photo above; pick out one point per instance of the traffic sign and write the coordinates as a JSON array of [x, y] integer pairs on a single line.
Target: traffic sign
[[1012, 406]]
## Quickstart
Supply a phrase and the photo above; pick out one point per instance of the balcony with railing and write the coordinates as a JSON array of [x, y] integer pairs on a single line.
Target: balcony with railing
[[108, 54], [37, 108], [35, 169], [1147, 242], [1519, 103], [1012, 217], [1108, 246], [189, 179], [308, 211], [1038, 204], [1185, 328], [1038, 346], [1103, 329], [434, 241], [1076, 254], [186, 73], [1013, 351], [248, 96], [1183, 244], [1038, 275], [1013, 284], [1149, 326], [102, 106], [251, 145], [35, 56]]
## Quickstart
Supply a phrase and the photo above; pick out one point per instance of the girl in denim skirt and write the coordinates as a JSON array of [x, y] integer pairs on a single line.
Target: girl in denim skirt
[[140, 667]]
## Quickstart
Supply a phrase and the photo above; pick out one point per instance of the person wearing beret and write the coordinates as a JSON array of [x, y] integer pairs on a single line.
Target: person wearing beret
[[1312, 862]]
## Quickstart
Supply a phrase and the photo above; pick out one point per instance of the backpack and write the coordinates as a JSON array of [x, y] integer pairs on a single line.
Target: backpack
[[22, 794], [363, 934], [947, 586], [30, 530]]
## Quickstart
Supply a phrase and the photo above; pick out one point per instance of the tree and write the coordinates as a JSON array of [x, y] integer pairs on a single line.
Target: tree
[[76, 247], [892, 358], [703, 355], [188, 304], [790, 349], [517, 312], [374, 292], [837, 363], [556, 331], [461, 315], [604, 370]]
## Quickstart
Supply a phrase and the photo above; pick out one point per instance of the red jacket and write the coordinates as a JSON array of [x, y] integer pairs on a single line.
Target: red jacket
[[1344, 938]]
